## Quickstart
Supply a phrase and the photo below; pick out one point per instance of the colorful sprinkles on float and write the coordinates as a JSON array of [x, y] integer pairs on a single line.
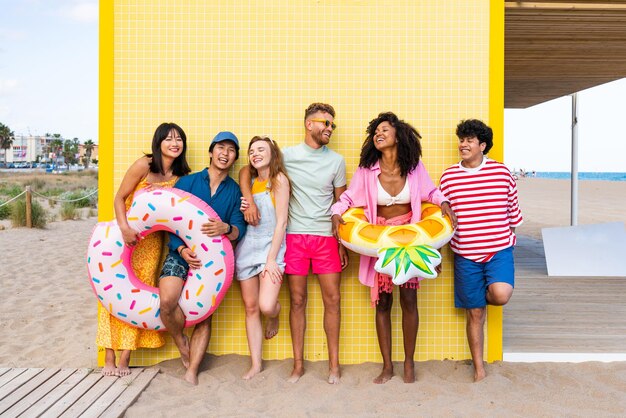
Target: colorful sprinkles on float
[[124, 296]]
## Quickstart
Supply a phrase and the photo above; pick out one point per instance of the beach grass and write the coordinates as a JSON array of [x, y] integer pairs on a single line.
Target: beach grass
[[68, 212], [47, 183], [39, 215], [56, 196]]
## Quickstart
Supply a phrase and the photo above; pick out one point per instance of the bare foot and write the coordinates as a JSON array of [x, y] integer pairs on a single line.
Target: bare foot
[[298, 371], [409, 371], [479, 375], [184, 353], [334, 376], [384, 376], [271, 328], [122, 366], [108, 370], [254, 370], [122, 371], [109, 363], [191, 378]]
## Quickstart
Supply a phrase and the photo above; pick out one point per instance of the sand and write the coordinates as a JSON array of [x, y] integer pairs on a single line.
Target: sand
[[38, 328], [546, 203]]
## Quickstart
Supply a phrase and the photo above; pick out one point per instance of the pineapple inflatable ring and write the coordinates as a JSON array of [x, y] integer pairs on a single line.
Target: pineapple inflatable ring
[[403, 251]]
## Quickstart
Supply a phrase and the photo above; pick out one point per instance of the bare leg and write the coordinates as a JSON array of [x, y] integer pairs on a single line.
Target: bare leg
[[254, 327], [122, 367], [410, 325], [331, 296], [172, 316], [383, 332], [199, 343], [269, 305], [297, 323], [475, 339], [499, 293], [109, 362], [272, 325]]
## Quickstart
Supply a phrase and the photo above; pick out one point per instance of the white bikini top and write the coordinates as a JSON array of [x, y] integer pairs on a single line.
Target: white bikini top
[[385, 199]]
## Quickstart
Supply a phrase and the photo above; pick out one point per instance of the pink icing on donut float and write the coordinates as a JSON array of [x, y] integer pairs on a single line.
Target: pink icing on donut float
[[124, 296]]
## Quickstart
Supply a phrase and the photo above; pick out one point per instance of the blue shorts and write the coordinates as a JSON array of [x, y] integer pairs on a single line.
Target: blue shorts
[[471, 279], [173, 267]]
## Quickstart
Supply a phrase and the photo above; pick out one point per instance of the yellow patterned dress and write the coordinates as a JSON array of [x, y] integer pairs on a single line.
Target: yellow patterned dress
[[146, 263]]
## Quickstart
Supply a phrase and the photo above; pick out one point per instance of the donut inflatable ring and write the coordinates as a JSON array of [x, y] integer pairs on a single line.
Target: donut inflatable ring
[[124, 296], [403, 251]]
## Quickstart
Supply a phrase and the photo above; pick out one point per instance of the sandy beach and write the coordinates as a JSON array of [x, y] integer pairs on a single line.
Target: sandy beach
[[48, 319], [546, 203]]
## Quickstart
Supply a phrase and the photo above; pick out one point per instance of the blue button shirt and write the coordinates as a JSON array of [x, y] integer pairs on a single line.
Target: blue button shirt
[[225, 202]]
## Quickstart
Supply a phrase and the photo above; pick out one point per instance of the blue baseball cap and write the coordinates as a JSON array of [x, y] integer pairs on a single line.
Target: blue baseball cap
[[225, 136]]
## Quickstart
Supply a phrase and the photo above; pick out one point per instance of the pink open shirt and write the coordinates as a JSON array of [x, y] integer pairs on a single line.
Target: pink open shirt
[[363, 192]]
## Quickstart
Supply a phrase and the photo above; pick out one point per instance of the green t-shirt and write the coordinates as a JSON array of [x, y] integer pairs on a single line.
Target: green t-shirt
[[314, 174]]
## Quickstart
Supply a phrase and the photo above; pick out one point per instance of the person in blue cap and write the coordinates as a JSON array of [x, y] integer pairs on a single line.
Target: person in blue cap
[[221, 192]]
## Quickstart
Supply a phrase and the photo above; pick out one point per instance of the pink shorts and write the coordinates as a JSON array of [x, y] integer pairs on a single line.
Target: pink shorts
[[319, 251]]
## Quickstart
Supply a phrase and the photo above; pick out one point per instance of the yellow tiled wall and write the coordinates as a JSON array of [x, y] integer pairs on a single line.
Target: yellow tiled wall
[[252, 68]]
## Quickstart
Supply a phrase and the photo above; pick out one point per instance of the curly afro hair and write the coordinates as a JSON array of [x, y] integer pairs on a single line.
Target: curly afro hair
[[476, 128], [409, 146]]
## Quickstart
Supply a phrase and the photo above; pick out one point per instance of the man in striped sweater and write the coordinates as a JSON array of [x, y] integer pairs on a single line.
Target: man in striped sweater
[[483, 194]]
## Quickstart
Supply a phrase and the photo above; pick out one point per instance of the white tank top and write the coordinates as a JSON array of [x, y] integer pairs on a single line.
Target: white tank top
[[385, 199]]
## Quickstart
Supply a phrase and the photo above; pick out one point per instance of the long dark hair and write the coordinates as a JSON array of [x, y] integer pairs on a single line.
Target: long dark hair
[[407, 137], [179, 166]]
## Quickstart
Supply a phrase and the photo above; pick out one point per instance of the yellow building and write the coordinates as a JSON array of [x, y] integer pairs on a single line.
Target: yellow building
[[82, 151], [253, 67]]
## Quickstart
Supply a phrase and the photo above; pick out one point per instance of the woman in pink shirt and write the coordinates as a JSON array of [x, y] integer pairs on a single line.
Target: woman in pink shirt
[[390, 184]]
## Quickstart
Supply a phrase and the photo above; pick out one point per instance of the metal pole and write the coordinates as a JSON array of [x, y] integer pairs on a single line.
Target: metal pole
[[574, 182]]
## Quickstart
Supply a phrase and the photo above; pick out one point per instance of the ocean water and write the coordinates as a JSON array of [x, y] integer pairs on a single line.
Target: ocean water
[[581, 175]]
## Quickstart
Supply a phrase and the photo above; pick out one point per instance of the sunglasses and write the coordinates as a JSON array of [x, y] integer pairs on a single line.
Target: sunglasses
[[326, 123]]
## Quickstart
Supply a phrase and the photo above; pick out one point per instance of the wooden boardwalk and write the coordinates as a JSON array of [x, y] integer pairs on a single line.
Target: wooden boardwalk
[[562, 314], [69, 392]]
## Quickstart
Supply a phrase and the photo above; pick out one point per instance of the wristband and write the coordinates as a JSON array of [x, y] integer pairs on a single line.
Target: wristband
[[230, 229]]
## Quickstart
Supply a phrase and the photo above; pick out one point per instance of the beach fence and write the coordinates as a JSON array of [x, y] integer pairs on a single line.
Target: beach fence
[[29, 192]]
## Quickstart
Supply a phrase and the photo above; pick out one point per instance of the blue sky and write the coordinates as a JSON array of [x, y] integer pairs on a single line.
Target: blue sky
[[49, 83], [49, 67]]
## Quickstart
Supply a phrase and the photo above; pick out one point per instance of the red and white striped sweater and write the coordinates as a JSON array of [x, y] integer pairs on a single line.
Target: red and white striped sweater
[[485, 202]]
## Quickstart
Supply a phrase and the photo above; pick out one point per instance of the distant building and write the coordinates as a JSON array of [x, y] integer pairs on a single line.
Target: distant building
[[24, 149], [33, 148], [94, 152]]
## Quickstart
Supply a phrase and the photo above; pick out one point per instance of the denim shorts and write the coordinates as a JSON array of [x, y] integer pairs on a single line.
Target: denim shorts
[[174, 267], [471, 279]]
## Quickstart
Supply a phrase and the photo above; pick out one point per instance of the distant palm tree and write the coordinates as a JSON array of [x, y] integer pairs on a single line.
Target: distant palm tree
[[89, 146], [68, 152], [6, 139], [56, 146]]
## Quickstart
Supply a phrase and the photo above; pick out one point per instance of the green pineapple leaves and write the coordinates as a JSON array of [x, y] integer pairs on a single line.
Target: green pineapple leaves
[[404, 263]]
